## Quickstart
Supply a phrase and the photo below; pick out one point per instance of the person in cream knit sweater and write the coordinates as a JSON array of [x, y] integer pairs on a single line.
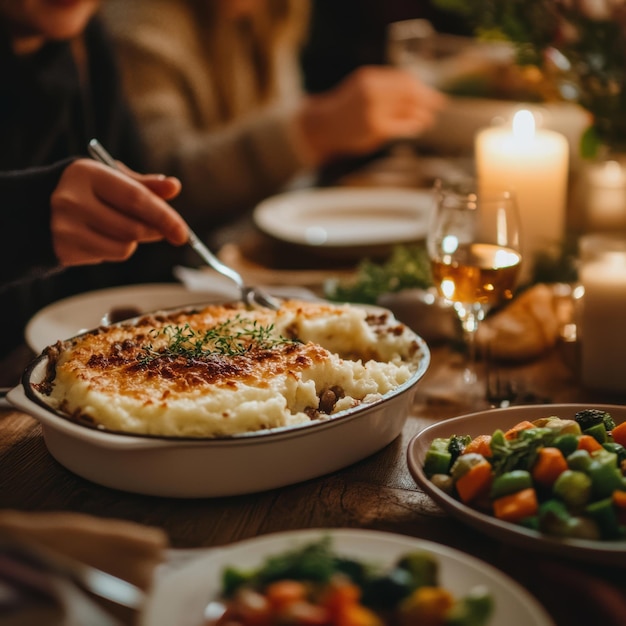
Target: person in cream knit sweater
[[216, 86]]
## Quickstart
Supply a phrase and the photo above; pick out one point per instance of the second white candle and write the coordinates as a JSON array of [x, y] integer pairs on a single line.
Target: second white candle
[[603, 353]]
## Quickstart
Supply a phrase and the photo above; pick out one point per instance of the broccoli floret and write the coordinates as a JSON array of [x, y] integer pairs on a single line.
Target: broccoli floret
[[591, 417], [314, 561], [457, 445], [386, 591], [412, 571]]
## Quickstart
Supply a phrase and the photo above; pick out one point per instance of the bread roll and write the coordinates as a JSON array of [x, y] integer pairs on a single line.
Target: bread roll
[[525, 329]]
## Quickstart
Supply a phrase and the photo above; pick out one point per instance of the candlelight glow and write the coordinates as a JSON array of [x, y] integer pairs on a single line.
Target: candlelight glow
[[449, 244], [613, 174], [524, 125], [505, 258], [614, 261], [447, 288]]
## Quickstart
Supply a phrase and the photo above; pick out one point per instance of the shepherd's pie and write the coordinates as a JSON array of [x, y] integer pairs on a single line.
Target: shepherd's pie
[[224, 369]]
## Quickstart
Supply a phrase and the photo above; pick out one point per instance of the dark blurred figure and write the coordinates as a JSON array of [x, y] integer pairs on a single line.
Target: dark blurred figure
[[346, 34], [62, 215]]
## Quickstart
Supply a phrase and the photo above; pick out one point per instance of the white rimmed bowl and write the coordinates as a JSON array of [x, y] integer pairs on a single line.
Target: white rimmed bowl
[[194, 468]]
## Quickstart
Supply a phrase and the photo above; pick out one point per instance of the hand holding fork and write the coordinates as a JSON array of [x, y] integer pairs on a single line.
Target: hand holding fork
[[249, 295]]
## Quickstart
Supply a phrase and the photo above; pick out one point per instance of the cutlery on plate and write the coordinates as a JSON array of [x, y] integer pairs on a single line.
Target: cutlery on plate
[[249, 295], [87, 577]]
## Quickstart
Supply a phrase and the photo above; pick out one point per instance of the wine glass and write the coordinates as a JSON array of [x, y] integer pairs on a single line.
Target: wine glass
[[474, 249]]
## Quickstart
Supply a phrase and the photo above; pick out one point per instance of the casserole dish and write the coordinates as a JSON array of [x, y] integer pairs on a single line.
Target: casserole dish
[[246, 462]]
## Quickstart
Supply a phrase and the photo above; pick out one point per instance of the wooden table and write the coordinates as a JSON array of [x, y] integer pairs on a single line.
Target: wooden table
[[376, 493]]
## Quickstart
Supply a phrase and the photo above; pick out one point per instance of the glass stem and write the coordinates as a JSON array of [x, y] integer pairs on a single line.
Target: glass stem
[[470, 316]]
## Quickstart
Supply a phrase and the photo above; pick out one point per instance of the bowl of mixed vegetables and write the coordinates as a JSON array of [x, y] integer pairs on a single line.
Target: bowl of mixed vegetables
[[551, 477], [339, 577]]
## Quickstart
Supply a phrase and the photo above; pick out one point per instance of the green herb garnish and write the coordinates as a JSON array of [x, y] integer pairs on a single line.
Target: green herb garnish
[[233, 337]]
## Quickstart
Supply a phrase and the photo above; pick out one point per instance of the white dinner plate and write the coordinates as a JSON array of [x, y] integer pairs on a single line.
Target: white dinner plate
[[68, 317], [346, 217], [179, 597], [486, 422]]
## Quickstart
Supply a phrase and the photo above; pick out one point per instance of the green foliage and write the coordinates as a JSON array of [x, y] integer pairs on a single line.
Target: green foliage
[[581, 50], [590, 143], [407, 267], [557, 265]]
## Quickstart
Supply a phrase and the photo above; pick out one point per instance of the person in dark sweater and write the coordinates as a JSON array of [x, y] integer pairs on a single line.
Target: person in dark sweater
[[68, 223]]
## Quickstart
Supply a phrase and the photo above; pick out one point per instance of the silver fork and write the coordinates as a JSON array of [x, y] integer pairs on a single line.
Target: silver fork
[[500, 391], [249, 295]]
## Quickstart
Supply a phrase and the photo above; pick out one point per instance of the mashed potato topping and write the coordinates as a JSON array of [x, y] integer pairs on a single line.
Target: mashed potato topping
[[225, 369]]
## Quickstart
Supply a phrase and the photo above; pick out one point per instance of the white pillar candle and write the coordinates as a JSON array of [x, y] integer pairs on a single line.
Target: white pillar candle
[[603, 322], [533, 163], [606, 202]]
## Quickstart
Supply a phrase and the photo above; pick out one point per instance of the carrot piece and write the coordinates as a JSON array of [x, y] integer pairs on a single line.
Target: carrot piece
[[282, 593], [516, 506], [548, 466], [514, 431], [589, 443], [340, 595], [357, 615], [619, 434], [342, 601], [619, 499], [476, 481], [480, 445]]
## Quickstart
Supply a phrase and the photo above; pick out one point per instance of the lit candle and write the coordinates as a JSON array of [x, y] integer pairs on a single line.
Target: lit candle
[[606, 204], [602, 320], [533, 163]]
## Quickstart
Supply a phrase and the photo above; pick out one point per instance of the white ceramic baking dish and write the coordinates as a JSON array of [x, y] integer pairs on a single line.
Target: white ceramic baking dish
[[245, 463]]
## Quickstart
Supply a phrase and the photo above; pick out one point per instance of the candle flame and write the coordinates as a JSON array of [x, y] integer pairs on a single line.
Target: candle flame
[[524, 125]]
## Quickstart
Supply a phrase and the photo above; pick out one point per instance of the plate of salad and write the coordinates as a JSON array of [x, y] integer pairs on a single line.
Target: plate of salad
[[338, 576], [547, 477]]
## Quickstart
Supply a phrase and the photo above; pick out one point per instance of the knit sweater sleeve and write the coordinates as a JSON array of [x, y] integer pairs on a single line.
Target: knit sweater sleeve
[[224, 169], [26, 248]]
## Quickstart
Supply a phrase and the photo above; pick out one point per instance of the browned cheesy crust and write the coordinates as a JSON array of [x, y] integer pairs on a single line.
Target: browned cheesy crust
[[224, 369]]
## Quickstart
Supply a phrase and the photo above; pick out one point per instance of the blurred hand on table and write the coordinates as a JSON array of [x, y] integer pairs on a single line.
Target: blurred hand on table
[[370, 107]]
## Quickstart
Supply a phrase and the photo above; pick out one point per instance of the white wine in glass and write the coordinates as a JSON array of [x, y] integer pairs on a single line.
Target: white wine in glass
[[474, 248]]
